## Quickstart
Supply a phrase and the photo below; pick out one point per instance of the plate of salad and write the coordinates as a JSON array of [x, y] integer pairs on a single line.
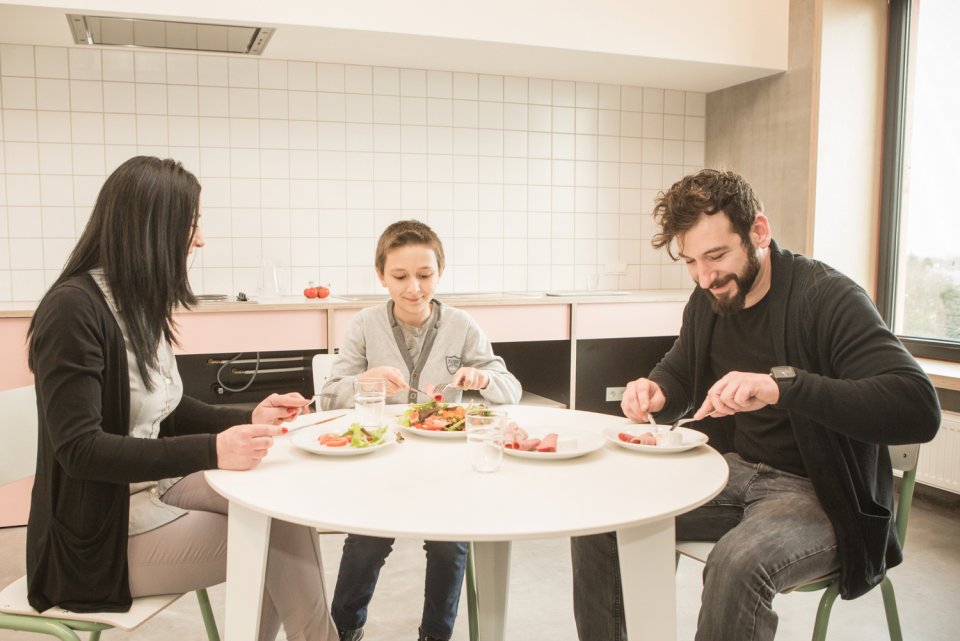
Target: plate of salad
[[434, 419], [355, 440]]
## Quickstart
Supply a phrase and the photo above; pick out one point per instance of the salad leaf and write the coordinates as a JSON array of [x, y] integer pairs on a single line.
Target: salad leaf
[[360, 437]]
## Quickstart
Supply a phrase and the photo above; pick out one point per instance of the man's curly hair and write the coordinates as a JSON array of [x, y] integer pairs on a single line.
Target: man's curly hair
[[707, 192]]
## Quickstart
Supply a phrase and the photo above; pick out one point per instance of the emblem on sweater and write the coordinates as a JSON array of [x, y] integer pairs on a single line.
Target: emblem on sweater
[[453, 364]]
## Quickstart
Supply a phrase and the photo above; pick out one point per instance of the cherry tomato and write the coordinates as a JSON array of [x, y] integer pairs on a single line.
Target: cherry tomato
[[323, 292], [310, 292]]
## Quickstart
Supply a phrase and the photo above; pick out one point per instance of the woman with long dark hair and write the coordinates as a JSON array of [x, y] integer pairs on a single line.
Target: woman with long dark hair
[[120, 507]]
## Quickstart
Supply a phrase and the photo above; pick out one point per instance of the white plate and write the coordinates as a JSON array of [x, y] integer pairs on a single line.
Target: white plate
[[441, 434], [306, 439], [570, 443], [691, 439]]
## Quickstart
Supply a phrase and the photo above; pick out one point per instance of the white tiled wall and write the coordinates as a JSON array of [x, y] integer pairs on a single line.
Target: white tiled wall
[[532, 184]]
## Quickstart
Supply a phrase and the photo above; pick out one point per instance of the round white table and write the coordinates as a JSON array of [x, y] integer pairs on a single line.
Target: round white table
[[424, 488]]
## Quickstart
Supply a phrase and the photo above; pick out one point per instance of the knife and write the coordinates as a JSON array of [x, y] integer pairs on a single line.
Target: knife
[[323, 420]]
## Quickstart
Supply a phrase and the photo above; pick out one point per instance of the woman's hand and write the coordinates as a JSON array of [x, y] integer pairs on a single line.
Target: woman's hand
[[470, 378], [241, 447], [277, 408], [393, 376]]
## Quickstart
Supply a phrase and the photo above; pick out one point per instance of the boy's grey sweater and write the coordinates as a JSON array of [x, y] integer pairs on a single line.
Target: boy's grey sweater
[[459, 342]]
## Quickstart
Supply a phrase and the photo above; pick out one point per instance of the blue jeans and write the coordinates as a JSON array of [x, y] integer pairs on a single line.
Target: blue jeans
[[363, 556], [771, 533]]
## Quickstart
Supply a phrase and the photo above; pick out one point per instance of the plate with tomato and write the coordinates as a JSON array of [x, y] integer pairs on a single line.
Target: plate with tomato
[[333, 441], [639, 438], [436, 420]]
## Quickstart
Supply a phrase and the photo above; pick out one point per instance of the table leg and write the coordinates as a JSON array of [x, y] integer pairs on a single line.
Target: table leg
[[648, 574], [492, 561], [248, 538]]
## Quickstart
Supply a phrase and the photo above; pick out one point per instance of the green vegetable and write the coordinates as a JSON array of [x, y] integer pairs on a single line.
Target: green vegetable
[[360, 437]]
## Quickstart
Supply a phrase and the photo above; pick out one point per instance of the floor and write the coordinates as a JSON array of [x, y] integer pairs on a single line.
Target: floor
[[540, 605]]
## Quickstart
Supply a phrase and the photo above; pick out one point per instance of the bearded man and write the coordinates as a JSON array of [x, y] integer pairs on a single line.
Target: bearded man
[[809, 386]]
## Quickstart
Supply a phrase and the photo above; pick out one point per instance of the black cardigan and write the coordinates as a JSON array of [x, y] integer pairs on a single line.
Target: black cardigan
[[77, 530], [857, 389]]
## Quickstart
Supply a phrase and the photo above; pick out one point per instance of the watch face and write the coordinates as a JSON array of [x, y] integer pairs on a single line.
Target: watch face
[[783, 372]]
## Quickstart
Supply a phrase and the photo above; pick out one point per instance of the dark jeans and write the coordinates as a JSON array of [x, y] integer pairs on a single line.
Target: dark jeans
[[771, 533], [363, 556]]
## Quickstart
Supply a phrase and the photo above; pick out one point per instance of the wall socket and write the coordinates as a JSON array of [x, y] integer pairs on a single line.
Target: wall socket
[[615, 393]]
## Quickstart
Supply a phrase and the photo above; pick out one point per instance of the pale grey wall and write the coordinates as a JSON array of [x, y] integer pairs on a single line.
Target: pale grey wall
[[765, 130]]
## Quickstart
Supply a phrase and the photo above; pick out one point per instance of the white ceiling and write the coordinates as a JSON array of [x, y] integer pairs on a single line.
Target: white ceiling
[[21, 24]]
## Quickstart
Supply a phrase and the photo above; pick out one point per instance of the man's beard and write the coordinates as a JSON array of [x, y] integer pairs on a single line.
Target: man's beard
[[733, 303]]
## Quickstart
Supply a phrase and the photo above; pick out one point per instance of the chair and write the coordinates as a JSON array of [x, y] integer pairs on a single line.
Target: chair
[[16, 614], [904, 458], [322, 364]]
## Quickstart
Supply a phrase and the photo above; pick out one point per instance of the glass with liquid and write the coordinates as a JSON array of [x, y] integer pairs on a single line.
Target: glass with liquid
[[485, 439], [369, 397]]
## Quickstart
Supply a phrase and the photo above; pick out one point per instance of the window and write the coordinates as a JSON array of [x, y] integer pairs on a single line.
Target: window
[[919, 285]]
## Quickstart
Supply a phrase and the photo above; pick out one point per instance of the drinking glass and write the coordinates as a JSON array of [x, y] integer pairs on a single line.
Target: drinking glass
[[369, 397], [485, 439]]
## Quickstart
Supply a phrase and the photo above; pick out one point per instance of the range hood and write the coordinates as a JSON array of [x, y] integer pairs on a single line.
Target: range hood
[[164, 34]]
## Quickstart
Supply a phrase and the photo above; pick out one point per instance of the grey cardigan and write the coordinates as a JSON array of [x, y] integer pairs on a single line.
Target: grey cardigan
[[374, 339]]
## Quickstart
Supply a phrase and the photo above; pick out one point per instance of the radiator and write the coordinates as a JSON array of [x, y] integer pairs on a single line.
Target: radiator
[[940, 458]]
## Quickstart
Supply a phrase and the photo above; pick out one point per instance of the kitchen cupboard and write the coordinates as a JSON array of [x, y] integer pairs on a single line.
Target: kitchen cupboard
[[536, 332]]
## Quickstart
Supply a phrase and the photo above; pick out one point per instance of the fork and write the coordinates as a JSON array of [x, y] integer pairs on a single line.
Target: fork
[[442, 386]]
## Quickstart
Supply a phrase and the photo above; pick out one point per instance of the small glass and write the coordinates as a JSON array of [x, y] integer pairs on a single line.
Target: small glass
[[485, 439], [369, 397]]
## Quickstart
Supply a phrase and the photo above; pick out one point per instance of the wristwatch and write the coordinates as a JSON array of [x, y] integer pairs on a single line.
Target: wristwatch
[[784, 375]]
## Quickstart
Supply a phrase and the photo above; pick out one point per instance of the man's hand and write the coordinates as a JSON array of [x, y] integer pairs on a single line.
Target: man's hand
[[241, 447], [470, 378], [642, 398], [277, 408], [392, 375], [739, 392]]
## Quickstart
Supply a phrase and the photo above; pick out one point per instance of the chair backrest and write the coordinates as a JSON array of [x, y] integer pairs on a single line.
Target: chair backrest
[[904, 458], [18, 433], [322, 364]]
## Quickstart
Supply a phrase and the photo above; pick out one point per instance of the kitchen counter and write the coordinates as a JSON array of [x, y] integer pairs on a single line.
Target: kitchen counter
[[24, 309]]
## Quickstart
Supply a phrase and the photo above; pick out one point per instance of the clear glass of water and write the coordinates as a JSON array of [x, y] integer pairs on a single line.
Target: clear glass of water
[[485, 439], [369, 397]]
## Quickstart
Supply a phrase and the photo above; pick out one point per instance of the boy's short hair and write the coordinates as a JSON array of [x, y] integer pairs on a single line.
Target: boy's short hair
[[403, 233]]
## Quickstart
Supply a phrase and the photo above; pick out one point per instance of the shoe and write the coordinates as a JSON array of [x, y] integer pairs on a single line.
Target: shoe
[[350, 635], [424, 637]]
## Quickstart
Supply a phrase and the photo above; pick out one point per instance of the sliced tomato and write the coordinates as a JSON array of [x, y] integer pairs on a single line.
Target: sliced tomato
[[333, 440], [626, 438]]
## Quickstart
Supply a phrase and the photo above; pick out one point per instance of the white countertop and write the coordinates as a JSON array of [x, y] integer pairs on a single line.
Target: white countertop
[[14, 309]]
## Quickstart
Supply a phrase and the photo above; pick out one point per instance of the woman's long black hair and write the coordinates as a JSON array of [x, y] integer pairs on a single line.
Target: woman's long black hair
[[140, 233]]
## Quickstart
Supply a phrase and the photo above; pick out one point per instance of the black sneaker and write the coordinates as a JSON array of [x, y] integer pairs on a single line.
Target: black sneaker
[[350, 635], [424, 637]]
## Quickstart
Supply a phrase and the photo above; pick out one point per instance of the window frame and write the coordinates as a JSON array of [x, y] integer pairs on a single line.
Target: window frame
[[901, 31]]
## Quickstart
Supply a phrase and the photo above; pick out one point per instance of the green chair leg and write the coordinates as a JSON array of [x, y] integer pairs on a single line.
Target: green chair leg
[[890, 606], [823, 611], [24, 623], [208, 621], [472, 596]]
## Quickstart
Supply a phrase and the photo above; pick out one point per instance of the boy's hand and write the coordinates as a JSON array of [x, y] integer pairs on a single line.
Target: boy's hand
[[470, 378], [393, 376]]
